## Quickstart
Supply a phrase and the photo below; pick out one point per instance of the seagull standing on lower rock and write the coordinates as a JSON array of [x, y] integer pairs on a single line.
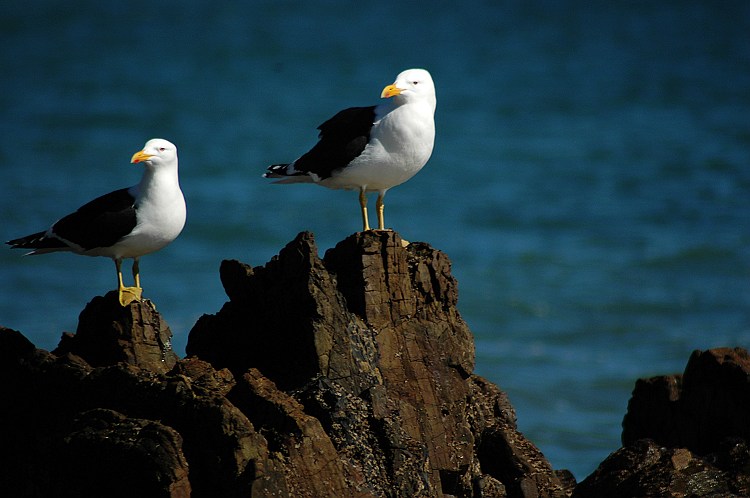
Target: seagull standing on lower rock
[[372, 149], [126, 223]]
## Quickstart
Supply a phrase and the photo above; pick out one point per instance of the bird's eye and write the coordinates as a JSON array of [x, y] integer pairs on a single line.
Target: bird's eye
[[415, 82], [162, 149]]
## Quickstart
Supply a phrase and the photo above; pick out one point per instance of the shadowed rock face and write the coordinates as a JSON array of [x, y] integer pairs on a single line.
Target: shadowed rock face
[[109, 333], [350, 375], [696, 410], [684, 435]]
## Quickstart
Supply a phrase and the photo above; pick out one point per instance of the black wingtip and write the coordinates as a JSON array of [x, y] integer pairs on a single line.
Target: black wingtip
[[277, 171], [35, 241], [25, 242]]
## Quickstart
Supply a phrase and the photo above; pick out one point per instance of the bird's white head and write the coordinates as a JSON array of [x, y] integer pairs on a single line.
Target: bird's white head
[[411, 85], [156, 152]]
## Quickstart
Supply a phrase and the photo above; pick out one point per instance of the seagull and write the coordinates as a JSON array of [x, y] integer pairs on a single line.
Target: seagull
[[371, 149], [126, 223]]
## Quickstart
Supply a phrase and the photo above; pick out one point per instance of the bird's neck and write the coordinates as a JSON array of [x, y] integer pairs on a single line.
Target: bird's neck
[[161, 180]]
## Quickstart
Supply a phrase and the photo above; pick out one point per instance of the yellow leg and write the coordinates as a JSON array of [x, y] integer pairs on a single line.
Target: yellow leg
[[127, 294], [363, 204], [380, 207], [120, 286], [137, 273]]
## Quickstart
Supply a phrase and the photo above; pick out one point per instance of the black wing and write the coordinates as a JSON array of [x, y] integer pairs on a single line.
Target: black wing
[[342, 138], [101, 222]]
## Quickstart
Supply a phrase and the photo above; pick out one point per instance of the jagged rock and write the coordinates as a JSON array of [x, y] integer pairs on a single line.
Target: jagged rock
[[349, 375], [683, 435], [645, 468], [379, 349], [108, 333], [697, 410], [312, 465], [49, 403]]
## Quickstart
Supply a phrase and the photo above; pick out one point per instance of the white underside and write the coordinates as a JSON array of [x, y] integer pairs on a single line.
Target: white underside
[[400, 145], [161, 216]]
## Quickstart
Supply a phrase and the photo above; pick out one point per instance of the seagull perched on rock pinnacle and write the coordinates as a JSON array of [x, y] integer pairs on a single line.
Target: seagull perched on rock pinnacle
[[126, 223], [371, 149]]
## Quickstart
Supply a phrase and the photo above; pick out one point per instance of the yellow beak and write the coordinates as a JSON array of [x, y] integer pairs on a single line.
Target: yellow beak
[[390, 91], [140, 156]]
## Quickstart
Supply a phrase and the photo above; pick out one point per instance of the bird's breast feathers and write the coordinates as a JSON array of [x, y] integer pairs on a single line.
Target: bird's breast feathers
[[160, 220]]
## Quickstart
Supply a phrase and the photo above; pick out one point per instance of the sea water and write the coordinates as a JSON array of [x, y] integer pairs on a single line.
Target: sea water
[[590, 180]]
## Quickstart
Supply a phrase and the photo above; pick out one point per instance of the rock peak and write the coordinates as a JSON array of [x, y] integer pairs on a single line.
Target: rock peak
[[325, 315], [109, 333]]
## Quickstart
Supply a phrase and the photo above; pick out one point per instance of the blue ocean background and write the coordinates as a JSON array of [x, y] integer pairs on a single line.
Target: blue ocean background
[[590, 180]]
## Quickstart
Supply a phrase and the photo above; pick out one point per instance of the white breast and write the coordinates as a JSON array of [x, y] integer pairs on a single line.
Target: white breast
[[161, 214], [401, 143]]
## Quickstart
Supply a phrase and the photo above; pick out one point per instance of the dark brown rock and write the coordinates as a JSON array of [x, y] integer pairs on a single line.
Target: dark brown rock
[[645, 468], [109, 333], [697, 410], [312, 466], [344, 376], [127, 457], [278, 316], [370, 342], [684, 435], [48, 404]]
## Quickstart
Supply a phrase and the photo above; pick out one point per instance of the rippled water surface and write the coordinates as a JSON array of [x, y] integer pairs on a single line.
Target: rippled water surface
[[590, 180]]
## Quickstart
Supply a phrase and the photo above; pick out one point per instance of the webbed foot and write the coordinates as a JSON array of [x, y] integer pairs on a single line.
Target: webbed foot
[[129, 294]]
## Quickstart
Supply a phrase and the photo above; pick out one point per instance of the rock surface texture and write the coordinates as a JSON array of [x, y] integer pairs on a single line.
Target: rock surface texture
[[684, 435], [347, 376]]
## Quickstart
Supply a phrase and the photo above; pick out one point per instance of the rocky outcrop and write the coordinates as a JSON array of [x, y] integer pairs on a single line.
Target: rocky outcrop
[[346, 376], [645, 468], [697, 410], [349, 375], [109, 333], [684, 435], [370, 343]]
